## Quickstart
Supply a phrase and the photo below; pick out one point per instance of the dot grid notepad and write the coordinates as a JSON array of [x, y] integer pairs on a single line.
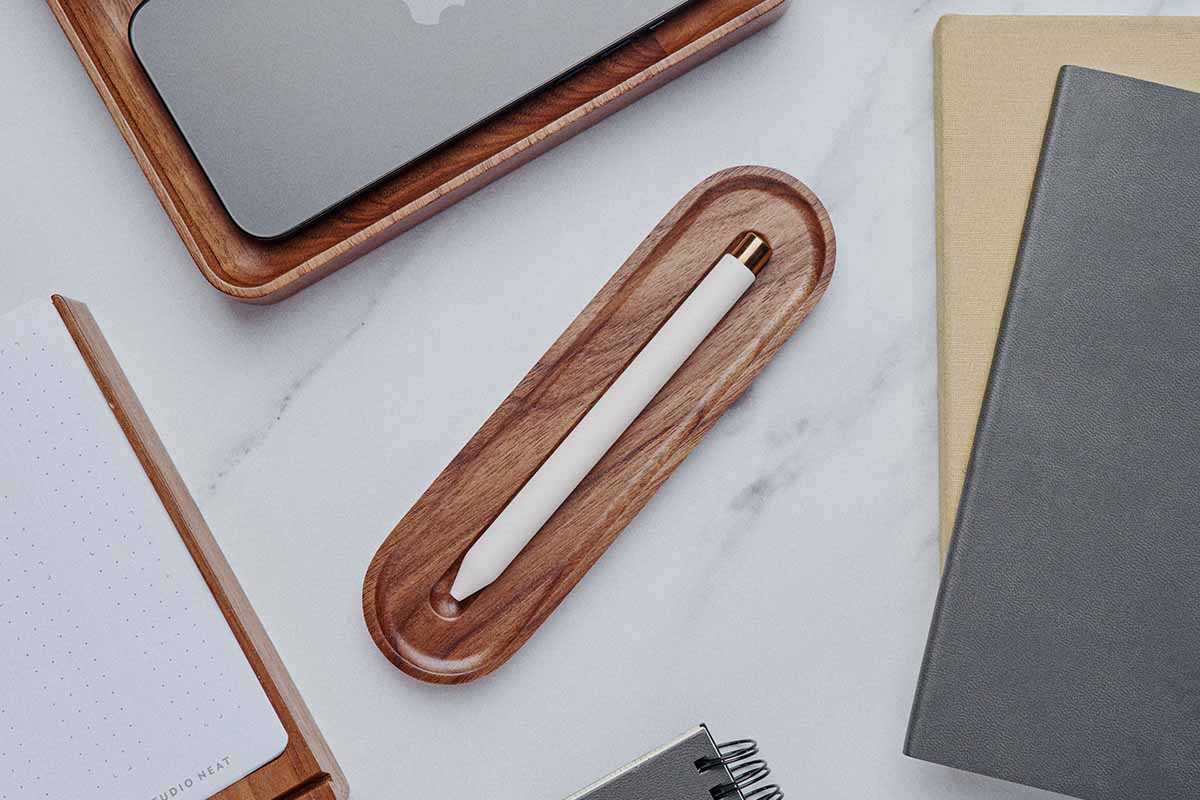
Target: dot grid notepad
[[119, 675]]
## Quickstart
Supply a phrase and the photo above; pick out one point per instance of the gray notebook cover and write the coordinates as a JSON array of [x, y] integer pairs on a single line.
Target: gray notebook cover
[[669, 773], [1065, 648]]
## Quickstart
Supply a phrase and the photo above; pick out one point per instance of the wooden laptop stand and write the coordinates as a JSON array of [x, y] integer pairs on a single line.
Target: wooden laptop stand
[[258, 271]]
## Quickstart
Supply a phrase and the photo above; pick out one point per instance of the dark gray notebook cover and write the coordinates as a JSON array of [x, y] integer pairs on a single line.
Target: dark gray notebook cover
[[669, 773], [1065, 648]]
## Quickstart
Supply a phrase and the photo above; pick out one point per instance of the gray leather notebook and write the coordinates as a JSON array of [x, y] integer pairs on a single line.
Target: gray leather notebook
[[693, 767], [1065, 648]]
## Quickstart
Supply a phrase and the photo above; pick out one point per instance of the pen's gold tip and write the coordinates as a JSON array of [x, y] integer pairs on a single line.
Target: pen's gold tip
[[752, 250]]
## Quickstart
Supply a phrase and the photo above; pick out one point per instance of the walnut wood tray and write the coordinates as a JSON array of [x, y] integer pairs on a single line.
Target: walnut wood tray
[[258, 271], [306, 770], [406, 599]]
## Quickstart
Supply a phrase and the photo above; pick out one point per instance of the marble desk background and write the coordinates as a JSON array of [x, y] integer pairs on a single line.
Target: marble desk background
[[805, 527]]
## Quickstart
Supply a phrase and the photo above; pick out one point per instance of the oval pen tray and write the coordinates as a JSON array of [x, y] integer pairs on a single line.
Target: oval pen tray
[[406, 598]]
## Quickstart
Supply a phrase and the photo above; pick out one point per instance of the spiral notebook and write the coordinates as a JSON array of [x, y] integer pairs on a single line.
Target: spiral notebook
[[119, 676], [693, 767]]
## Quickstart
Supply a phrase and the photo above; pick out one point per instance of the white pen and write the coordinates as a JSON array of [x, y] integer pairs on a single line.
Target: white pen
[[612, 414]]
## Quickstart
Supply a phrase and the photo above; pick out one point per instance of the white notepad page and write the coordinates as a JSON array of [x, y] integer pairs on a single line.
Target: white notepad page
[[119, 677]]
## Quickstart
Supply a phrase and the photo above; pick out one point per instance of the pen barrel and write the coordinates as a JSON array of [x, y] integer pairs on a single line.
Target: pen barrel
[[603, 424]]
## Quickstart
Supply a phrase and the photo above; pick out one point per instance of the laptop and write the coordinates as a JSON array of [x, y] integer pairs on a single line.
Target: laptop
[[293, 107]]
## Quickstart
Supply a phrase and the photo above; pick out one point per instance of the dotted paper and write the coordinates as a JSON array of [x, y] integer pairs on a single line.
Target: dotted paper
[[119, 676]]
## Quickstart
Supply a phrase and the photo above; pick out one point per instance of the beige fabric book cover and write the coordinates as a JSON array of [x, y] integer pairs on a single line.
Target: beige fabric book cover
[[994, 80]]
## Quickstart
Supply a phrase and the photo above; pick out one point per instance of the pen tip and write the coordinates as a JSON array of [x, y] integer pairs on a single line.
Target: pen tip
[[463, 586]]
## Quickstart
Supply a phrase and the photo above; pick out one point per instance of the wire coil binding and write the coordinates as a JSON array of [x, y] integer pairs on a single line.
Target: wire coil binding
[[746, 772]]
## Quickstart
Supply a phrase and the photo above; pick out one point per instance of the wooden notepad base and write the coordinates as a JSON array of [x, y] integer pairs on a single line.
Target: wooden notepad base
[[258, 271], [409, 610], [306, 770]]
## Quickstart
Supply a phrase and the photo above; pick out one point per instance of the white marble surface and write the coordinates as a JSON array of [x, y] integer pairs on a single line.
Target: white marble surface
[[799, 540]]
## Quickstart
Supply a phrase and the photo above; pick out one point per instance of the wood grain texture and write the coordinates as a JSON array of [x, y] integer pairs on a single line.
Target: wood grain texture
[[258, 271], [306, 770], [408, 608]]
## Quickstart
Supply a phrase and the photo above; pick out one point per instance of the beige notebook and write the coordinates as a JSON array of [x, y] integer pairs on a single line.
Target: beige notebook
[[994, 79]]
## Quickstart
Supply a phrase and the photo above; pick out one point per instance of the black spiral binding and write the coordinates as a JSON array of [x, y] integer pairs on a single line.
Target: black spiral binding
[[746, 771]]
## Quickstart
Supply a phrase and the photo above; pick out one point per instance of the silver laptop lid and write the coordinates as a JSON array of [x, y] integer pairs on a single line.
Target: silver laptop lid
[[293, 106]]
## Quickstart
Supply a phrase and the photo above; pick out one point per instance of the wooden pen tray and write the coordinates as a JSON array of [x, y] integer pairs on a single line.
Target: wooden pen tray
[[306, 770], [408, 607], [259, 271]]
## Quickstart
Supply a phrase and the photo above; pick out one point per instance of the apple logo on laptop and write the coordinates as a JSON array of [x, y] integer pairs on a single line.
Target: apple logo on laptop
[[429, 12]]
